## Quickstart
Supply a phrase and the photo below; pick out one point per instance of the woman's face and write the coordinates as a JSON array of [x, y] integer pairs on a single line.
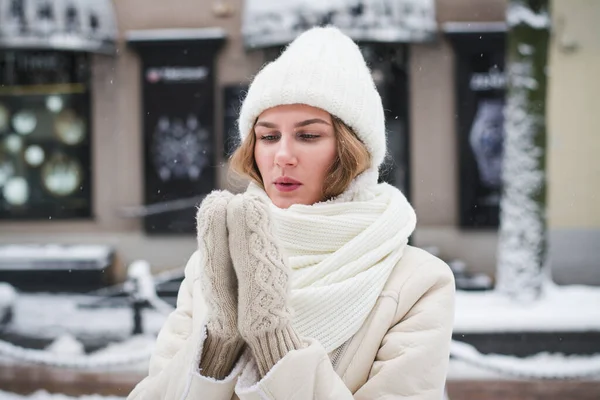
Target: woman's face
[[295, 147]]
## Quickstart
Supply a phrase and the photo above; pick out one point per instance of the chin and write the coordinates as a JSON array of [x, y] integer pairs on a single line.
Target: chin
[[285, 201]]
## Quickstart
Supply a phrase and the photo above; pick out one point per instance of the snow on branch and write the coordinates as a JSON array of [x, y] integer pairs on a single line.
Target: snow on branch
[[518, 14], [522, 232]]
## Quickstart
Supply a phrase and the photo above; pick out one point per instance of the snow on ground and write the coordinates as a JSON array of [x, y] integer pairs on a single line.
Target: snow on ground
[[136, 344], [560, 309], [130, 355], [66, 344], [43, 395]]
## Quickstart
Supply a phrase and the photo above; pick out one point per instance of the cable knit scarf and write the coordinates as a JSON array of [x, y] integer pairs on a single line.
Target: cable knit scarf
[[341, 253]]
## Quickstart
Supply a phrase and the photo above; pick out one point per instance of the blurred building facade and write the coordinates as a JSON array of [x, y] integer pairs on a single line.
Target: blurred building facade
[[154, 123]]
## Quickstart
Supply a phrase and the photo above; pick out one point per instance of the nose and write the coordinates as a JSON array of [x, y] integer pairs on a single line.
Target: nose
[[285, 155]]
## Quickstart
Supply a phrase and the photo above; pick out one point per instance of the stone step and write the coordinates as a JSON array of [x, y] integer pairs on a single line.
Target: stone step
[[26, 379]]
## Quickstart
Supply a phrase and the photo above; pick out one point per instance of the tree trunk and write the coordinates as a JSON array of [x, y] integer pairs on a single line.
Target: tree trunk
[[522, 241]]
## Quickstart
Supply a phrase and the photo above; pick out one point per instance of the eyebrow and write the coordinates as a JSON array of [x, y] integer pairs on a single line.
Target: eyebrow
[[297, 125]]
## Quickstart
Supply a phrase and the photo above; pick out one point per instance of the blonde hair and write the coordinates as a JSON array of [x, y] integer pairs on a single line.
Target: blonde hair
[[352, 158]]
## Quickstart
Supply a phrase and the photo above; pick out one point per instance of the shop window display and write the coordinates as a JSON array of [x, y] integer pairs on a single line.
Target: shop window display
[[44, 135], [178, 86]]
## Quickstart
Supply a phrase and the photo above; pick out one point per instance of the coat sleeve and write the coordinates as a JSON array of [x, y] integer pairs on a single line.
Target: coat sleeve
[[411, 362], [174, 365]]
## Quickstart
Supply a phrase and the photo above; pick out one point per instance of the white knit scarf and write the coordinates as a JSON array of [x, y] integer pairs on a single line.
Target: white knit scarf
[[341, 253]]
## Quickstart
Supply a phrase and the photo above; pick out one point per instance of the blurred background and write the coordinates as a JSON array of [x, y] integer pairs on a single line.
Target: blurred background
[[117, 117]]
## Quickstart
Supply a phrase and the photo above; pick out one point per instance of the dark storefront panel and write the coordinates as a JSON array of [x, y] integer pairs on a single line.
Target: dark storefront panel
[[233, 95], [178, 86], [480, 89], [45, 166], [389, 67]]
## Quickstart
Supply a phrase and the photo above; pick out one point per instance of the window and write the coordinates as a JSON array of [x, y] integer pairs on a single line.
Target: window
[[44, 135]]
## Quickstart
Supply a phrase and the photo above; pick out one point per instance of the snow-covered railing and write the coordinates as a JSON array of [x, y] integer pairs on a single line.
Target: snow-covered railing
[[7, 299], [143, 287], [504, 365], [160, 305], [519, 368], [159, 278], [89, 362]]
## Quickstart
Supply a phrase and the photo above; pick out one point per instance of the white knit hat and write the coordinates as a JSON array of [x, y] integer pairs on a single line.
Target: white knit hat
[[322, 68]]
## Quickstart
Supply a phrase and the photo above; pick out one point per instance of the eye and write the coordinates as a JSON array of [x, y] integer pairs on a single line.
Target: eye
[[269, 137], [308, 136]]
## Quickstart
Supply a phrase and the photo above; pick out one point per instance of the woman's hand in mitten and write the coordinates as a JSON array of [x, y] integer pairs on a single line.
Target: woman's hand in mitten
[[219, 287], [264, 314]]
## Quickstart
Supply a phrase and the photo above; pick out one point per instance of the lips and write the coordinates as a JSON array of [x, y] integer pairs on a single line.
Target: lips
[[284, 180], [286, 184]]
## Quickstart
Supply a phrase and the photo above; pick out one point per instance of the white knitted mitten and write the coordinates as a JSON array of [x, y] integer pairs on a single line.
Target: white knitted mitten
[[264, 314], [223, 343]]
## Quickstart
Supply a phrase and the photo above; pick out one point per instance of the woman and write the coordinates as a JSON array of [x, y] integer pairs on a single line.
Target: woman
[[304, 286]]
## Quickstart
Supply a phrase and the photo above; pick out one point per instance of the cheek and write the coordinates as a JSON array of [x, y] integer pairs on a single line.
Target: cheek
[[323, 159], [261, 157]]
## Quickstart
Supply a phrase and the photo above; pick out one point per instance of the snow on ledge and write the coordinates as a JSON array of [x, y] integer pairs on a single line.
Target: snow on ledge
[[53, 252], [560, 309]]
